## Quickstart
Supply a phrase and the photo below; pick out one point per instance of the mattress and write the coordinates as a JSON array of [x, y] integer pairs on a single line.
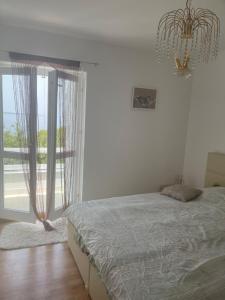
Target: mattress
[[151, 246]]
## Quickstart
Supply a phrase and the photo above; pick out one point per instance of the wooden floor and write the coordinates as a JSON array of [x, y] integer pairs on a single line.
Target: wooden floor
[[41, 273]]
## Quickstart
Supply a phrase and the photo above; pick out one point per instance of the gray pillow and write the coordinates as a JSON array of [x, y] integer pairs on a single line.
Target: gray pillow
[[181, 192]]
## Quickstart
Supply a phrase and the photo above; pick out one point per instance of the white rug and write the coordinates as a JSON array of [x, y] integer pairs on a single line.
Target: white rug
[[25, 235]]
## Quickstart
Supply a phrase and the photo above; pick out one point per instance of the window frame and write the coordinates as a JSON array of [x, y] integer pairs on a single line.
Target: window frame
[[53, 76]]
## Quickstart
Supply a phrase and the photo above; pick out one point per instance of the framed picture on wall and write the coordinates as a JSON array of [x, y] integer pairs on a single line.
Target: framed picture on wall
[[144, 98]]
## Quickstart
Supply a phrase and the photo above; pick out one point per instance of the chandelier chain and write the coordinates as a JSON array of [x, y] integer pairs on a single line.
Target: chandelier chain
[[188, 3]]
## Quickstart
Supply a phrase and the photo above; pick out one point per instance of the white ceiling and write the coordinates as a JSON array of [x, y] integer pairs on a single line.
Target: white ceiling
[[122, 22]]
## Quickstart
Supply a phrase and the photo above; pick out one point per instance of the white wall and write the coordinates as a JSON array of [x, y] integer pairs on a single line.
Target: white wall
[[206, 129], [126, 152]]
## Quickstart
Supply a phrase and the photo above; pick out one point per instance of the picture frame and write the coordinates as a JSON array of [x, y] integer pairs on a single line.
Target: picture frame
[[144, 98]]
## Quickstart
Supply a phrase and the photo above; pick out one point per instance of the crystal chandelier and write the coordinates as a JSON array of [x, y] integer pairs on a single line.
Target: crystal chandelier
[[188, 36]]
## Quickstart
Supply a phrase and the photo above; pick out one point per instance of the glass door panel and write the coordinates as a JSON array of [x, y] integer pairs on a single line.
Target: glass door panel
[[59, 184], [10, 133], [42, 137], [15, 202], [16, 196]]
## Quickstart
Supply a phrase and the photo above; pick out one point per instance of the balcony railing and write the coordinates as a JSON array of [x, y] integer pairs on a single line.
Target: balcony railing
[[15, 190]]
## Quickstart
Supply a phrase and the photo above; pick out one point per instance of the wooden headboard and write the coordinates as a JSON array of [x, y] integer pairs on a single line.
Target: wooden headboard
[[215, 171]]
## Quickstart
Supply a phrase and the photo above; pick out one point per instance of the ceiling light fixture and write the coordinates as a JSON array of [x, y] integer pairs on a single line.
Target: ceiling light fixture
[[189, 36]]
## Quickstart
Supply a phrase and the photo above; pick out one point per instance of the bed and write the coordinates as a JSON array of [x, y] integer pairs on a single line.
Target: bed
[[153, 247]]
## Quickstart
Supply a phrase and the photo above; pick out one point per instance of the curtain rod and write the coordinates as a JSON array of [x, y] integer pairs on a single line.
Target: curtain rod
[[81, 61]]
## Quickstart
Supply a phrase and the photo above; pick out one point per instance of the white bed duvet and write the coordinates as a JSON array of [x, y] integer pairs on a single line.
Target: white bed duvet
[[154, 247]]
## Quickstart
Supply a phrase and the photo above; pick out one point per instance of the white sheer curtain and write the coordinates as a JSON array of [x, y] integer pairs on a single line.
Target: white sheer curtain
[[65, 119], [70, 90]]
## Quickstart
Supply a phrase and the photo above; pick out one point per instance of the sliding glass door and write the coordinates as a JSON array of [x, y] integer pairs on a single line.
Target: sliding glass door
[[45, 161]]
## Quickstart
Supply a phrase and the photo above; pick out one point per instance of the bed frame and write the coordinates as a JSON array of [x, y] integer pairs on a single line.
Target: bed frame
[[215, 176], [88, 272]]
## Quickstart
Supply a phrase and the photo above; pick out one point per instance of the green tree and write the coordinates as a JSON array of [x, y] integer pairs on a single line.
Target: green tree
[[10, 139], [13, 137], [42, 138]]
